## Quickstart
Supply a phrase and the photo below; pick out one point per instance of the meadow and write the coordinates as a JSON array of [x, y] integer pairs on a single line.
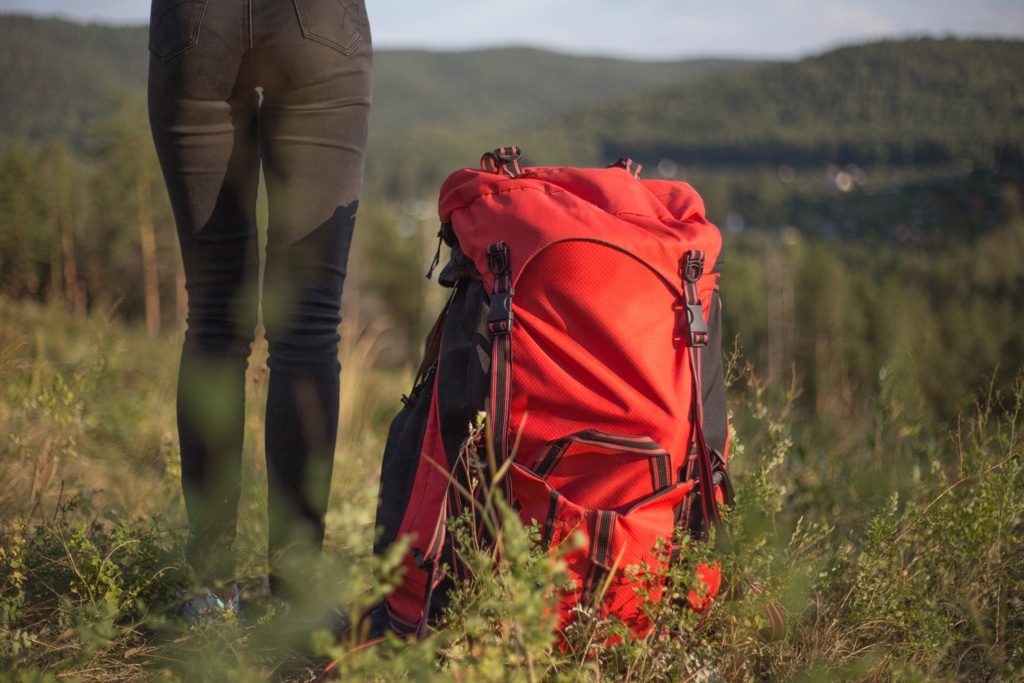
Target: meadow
[[921, 577], [872, 204]]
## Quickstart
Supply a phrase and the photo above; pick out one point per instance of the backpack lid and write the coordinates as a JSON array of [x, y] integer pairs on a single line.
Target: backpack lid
[[657, 221]]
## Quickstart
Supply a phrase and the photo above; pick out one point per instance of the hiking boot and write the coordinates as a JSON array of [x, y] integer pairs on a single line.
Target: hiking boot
[[205, 604]]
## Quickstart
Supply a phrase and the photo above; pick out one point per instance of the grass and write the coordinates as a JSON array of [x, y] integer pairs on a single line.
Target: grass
[[896, 551]]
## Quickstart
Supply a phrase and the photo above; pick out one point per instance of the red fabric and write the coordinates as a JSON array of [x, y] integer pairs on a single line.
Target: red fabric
[[596, 345], [421, 521], [629, 560], [709, 582], [585, 359], [595, 262], [658, 220], [606, 477]]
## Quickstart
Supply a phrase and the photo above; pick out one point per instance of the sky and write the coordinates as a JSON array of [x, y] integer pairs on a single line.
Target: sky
[[634, 29]]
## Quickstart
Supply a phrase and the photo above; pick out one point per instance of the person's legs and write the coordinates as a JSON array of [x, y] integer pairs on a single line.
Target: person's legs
[[203, 118], [314, 59]]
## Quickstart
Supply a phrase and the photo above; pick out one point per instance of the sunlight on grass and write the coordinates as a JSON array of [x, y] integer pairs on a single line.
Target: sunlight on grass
[[913, 578]]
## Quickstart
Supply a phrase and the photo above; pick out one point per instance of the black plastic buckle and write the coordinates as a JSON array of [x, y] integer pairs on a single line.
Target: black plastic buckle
[[695, 322], [497, 261], [693, 265], [692, 328], [499, 319]]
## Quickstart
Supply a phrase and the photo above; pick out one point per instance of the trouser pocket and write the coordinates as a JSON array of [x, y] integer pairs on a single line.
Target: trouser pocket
[[174, 26], [335, 23]]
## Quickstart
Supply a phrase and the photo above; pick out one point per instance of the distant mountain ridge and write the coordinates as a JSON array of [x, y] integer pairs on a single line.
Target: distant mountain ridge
[[516, 85], [57, 78], [908, 102], [936, 105]]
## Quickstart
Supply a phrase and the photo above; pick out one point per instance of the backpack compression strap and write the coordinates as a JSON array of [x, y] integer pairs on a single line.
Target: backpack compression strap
[[499, 324], [711, 471], [696, 337]]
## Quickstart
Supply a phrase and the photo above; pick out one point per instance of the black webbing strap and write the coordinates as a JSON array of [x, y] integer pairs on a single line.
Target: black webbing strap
[[432, 345], [602, 537], [429, 560], [710, 465], [659, 460], [437, 256], [691, 269], [629, 165], [499, 318], [499, 325], [549, 523], [504, 160]]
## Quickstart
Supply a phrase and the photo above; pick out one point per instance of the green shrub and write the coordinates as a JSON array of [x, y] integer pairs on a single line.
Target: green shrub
[[895, 551]]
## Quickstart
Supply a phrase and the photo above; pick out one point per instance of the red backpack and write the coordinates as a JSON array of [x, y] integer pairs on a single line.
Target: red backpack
[[585, 319]]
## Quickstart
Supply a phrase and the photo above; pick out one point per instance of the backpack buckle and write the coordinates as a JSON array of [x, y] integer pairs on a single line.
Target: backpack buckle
[[500, 317], [693, 265], [690, 324], [497, 260], [695, 321], [503, 161]]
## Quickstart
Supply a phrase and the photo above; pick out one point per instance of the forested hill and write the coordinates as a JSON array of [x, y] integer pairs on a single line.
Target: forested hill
[[906, 102], [852, 186], [949, 111], [57, 79], [910, 102], [506, 86]]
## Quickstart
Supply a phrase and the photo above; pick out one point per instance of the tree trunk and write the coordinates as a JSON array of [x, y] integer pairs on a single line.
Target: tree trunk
[[68, 256], [18, 282], [56, 273], [774, 291], [147, 241]]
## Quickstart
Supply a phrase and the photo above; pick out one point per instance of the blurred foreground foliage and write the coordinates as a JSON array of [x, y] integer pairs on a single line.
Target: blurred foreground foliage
[[895, 549], [873, 280]]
